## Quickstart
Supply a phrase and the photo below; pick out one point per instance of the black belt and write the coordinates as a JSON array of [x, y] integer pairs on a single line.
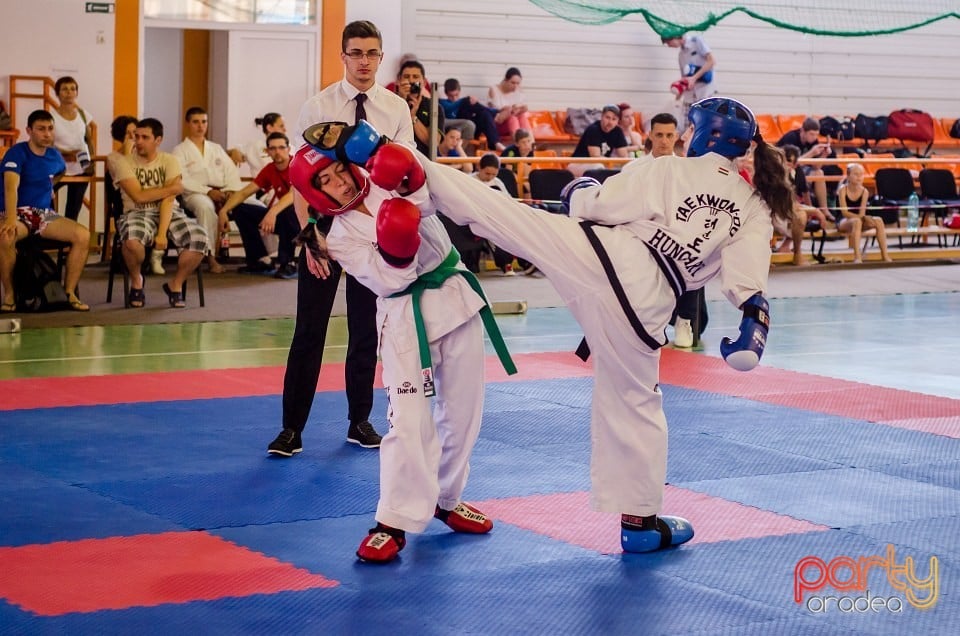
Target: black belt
[[583, 351]]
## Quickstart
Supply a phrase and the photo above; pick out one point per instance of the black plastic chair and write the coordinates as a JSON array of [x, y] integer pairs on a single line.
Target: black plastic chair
[[601, 174], [509, 179], [546, 185], [938, 186], [114, 203]]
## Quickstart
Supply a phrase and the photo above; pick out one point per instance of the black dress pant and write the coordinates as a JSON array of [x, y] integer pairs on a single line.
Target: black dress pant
[[688, 306], [247, 216], [315, 298]]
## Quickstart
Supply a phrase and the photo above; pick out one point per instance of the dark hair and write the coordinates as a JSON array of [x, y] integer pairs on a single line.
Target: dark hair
[[118, 128], [810, 124], [489, 160], [153, 124], [38, 115], [360, 29], [194, 110], [513, 70], [664, 118], [790, 152], [521, 133], [610, 108], [267, 120], [277, 135], [770, 179], [450, 127], [452, 84], [66, 79], [412, 64]]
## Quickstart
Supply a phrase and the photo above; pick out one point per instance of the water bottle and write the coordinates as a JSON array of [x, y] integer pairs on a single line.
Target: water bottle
[[83, 158], [913, 213]]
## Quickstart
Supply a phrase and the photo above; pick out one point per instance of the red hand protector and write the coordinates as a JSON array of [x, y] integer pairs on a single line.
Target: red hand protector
[[393, 167], [398, 231]]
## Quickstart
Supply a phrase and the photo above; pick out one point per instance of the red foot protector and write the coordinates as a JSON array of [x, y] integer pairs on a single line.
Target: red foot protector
[[141, 571], [568, 517], [465, 518], [380, 546]]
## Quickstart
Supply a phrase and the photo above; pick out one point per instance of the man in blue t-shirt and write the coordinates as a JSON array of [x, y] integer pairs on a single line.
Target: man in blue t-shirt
[[30, 169]]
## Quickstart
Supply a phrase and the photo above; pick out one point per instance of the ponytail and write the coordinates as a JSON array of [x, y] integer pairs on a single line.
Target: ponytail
[[770, 180]]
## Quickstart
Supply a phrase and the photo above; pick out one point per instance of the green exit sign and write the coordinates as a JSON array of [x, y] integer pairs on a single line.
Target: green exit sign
[[99, 7]]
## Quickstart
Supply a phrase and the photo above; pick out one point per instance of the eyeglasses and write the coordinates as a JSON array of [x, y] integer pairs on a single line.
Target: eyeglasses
[[357, 55], [269, 148]]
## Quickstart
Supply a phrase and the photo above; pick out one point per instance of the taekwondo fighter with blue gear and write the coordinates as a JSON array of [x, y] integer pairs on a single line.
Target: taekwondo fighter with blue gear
[[627, 251], [431, 313]]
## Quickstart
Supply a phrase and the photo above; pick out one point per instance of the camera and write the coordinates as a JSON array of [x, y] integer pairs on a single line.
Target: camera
[[414, 88]]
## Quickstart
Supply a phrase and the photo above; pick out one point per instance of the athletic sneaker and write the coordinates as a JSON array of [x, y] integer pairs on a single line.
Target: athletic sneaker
[[363, 434], [464, 518], [287, 443], [683, 334], [508, 270], [288, 271], [257, 267]]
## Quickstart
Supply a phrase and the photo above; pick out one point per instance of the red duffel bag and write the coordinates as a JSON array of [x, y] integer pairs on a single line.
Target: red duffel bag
[[910, 125]]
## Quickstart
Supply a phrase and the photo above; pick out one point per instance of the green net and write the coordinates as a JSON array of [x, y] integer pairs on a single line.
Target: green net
[[840, 18]]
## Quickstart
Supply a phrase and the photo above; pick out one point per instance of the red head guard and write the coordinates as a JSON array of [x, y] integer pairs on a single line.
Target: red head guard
[[305, 168]]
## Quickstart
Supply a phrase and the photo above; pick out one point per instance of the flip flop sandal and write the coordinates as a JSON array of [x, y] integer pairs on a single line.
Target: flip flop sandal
[[76, 304], [175, 299], [8, 308], [136, 298]]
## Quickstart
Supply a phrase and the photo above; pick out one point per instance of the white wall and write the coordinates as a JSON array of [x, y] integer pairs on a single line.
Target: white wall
[[773, 70], [163, 82], [55, 38], [389, 16]]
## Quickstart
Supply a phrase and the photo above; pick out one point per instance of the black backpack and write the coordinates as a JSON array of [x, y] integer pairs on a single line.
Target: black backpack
[[955, 129], [36, 280]]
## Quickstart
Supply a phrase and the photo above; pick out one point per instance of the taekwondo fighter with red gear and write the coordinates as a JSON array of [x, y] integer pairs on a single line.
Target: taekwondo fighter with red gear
[[620, 260], [429, 309]]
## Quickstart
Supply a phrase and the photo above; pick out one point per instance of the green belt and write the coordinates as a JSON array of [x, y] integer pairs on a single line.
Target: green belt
[[432, 280]]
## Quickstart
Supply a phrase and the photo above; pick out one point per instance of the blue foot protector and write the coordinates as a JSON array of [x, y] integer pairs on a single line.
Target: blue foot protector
[[654, 533]]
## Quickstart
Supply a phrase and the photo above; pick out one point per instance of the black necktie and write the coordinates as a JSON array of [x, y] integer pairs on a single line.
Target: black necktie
[[361, 111]]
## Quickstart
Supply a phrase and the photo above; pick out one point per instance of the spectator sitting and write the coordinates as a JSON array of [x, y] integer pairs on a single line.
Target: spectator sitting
[[602, 138], [254, 153], [73, 137], [29, 170], [409, 85], [488, 169], [149, 182], [633, 137], [805, 216], [806, 138], [853, 219], [522, 146], [280, 218], [468, 113], [209, 178], [510, 103], [452, 146], [407, 57]]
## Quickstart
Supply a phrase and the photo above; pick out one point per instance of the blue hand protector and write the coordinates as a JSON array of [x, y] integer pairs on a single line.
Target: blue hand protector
[[744, 353]]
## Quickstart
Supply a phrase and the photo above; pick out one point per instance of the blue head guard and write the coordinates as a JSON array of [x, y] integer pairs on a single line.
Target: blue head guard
[[342, 142], [721, 125]]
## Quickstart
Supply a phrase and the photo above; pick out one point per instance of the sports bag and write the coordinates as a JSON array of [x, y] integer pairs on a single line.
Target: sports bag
[[36, 281], [870, 128], [910, 125], [837, 128], [955, 129]]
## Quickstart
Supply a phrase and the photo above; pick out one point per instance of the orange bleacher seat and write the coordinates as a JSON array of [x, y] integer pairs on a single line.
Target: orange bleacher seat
[[769, 129], [790, 122], [638, 121], [941, 134], [546, 153], [545, 128], [871, 168]]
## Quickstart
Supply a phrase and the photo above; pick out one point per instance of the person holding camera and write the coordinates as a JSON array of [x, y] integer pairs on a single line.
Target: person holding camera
[[807, 139], [410, 87]]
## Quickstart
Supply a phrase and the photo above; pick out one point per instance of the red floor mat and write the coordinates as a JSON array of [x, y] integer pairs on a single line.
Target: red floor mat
[[143, 570]]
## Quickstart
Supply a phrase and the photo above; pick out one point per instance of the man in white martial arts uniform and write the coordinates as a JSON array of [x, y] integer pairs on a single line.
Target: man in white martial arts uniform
[[429, 309], [667, 226]]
